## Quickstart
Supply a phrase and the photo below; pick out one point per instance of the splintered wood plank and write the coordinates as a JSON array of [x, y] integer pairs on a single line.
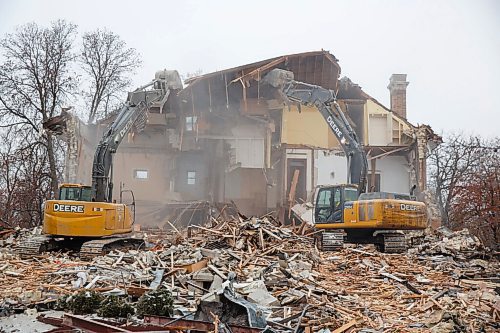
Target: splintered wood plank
[[218, 272], [346, 326], [293, 186], [261, 240], [293, 189], [191, 268]]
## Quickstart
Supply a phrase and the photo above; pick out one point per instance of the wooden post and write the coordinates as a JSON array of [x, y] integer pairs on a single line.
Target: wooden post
[[293, 189], [373, 178]]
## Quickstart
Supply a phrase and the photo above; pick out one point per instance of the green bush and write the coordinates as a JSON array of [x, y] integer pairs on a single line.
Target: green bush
[[156, 302], [84, 302], [115, 307], [61, 303]]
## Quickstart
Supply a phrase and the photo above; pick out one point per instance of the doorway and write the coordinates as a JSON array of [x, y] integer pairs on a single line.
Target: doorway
[[295, 165]]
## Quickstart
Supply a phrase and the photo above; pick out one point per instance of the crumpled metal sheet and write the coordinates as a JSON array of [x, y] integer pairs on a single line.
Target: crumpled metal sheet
[[255, 315]]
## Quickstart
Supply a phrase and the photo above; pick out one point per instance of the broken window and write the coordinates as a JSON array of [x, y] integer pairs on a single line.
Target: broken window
[[191, 177], [191, 123], [141, 174]]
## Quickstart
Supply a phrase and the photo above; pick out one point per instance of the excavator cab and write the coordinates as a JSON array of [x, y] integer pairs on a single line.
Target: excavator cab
[[75, 192], [330, 202]]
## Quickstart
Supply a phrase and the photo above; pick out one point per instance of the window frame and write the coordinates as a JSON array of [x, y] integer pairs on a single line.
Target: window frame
[[64, 193], [191, 176], [139, 171], [190, 123], [323, 200]]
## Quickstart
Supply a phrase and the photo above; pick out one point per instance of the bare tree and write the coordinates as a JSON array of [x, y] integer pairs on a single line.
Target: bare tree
[[35, 79], [108, 63], [24, 178], [450, 163], [465, 174], [476, 203]]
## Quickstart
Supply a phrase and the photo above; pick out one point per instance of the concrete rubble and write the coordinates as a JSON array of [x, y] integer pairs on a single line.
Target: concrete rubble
[[254, 275]]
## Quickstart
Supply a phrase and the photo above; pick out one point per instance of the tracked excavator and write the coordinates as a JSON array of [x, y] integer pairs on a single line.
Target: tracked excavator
[[345, 212], [86, 218]]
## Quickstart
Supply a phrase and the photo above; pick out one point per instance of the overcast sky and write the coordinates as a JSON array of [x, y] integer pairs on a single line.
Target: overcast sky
[[449, 49]]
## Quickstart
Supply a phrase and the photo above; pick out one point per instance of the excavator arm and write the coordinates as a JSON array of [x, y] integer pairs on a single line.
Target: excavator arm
[[137, 104], [325, 101]]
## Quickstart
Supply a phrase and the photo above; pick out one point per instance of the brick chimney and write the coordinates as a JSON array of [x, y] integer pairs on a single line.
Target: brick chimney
[[397, 87]]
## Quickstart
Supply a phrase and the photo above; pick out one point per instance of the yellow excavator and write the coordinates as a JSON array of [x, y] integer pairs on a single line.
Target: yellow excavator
[[86, 218], [346, 212]]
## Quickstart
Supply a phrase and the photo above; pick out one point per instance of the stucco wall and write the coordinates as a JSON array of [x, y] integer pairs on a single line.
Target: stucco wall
[[394, 174], [307, 128], [393, 170]]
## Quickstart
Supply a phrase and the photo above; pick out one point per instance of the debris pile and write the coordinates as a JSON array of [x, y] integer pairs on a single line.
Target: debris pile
[[460, 244], [255, 275]]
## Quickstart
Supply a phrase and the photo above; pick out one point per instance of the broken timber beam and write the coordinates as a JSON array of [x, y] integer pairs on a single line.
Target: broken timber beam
[[198, 325], [89, 325], [346, 326], [403, 282]]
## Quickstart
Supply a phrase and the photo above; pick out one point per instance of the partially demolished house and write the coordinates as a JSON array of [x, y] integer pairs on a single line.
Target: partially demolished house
[[396, 149], [226, 137]]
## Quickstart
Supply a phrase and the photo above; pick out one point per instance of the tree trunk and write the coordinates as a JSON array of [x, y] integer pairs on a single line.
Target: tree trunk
[[444, 213]]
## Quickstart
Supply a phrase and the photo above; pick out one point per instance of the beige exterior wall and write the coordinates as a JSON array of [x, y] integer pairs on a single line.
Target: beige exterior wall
[[145, 152], [384, 128], [379, 124], [307, 128], [155, 165]]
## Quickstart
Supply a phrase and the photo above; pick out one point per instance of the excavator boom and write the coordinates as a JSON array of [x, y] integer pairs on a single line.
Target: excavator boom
[[325, 101]]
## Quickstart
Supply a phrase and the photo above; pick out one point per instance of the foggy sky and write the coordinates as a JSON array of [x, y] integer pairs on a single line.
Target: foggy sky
[[449, 49]]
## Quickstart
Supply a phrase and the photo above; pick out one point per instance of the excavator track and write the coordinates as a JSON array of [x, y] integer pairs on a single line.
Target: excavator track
[[36, 245], [332, 240], [393, 243], [99, 247]]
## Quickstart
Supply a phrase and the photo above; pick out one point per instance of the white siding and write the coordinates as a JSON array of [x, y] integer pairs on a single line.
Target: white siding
[[247, 145], [248, 152], [394, 174], [332, 169], [378, 130]]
